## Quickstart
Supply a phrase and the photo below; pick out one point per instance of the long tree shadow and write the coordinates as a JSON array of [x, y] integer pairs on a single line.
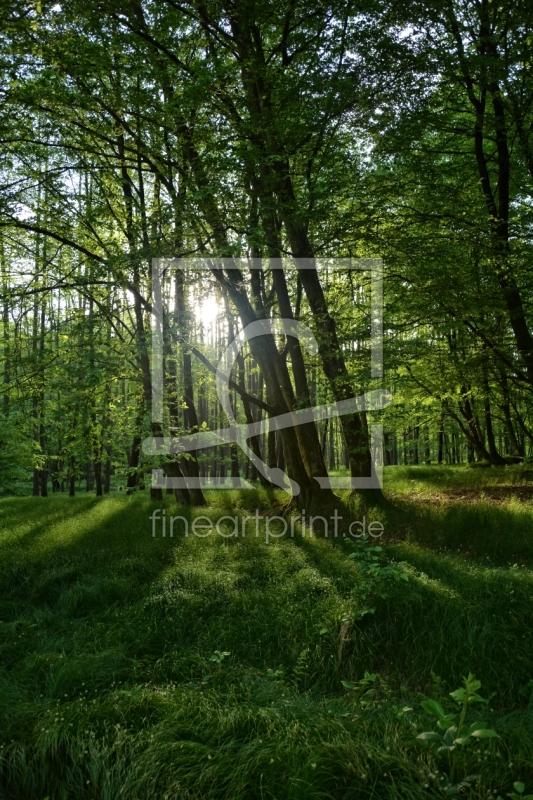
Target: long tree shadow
[[65, 541]]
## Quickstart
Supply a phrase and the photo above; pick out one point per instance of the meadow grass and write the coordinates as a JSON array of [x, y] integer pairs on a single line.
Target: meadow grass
[[115, 680]]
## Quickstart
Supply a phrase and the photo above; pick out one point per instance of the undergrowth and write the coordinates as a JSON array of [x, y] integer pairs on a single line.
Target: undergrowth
[[144, 667]]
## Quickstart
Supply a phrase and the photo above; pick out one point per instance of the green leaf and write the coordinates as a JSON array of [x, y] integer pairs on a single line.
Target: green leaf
[[459, 695], [348, 685], [430, 736], [445, 722], [434, 708], [446, 748], [484, 733], [519, 786], [449, 736], [476, 726]]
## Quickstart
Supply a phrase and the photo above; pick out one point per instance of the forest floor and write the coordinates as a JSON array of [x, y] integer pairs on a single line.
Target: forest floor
[[147, 667]]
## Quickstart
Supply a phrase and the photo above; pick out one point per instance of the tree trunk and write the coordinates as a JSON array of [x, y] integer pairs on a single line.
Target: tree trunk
[[190, 468], [440, 443]]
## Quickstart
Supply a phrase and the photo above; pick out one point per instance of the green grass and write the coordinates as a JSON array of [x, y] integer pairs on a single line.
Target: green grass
[[107, 685]]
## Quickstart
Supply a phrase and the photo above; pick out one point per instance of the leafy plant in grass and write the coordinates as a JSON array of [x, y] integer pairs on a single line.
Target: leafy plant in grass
[[299, 670], [453, 734], [518, 794], [376, 574], [370, 690], [219, 656], [296, 675]]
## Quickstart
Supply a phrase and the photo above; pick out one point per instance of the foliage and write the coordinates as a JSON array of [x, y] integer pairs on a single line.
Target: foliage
[[376, 575], [453, 734]]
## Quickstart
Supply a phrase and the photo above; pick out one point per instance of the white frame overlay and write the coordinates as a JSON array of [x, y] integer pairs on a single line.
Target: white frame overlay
[[373, 400]]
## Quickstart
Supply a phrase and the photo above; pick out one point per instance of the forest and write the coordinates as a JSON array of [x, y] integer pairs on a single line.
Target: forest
[[268, 258]]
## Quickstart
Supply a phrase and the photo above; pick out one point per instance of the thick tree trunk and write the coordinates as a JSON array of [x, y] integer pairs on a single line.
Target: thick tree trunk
[[308, 440], [266, 355], [190, 417]]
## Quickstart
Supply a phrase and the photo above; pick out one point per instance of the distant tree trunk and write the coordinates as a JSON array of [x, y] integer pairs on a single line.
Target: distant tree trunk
[[6, 334], [42, 428], [525, 430], [447, 454], [517, 449], [89, 476], [107, 473], [35, 399], [427, 447], [98, 478], [105, 446], [134, 456], [72, 478], [472, 430], [234, 461], [495, 457], [416, 436]]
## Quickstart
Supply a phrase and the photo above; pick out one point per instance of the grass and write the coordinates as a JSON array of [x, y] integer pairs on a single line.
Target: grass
[[111, 685]]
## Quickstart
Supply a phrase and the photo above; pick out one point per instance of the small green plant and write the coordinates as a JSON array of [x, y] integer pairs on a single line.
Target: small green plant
[[276, 674], [375, 575], [219, 656], [369, 689], [454, 733], [299, 671], [518, 794], [296, 676]]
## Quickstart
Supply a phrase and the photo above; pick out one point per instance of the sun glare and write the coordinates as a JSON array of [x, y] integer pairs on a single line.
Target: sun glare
[[207, 311]]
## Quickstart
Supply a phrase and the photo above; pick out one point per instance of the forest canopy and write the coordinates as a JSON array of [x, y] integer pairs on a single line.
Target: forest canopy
[[267, 139]]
